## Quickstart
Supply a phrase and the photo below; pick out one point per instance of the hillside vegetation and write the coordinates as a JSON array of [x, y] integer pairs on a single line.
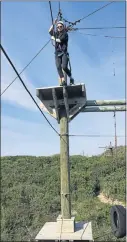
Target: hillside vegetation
[[31, 193]]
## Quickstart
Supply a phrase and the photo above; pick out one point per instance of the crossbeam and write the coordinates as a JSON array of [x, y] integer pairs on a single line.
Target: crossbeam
[[105, 102], [103, 109]]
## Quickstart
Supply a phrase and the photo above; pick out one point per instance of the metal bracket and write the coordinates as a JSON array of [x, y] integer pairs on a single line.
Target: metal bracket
[[65, 194], [64, 134]]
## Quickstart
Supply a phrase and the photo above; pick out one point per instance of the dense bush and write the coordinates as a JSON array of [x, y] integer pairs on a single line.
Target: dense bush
[[31, 192]]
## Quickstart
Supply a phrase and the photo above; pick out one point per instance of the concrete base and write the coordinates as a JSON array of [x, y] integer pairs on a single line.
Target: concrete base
[[83, 231], [67, 225]]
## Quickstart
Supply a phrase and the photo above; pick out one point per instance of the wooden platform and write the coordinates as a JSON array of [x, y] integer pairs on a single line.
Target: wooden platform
[[73, 91], [72, 98]]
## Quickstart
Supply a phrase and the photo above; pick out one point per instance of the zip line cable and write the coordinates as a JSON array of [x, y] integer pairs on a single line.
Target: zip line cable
[[59, 13], [105, 36], [25, 67], [112, 46], [97, 10], [96, 135], [78, 21], [27, 89], [99, 28], [52, 22], [51, 14], [59, 6]]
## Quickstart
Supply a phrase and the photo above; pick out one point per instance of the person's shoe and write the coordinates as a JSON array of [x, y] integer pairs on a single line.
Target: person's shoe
[[60, 81], [71, 81], [64, 83]]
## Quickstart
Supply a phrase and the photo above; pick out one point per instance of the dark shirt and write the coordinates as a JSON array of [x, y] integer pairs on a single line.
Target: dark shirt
[[63, 36]]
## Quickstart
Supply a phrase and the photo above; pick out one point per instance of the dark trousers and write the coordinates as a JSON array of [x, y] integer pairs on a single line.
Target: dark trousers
[[62, 63]]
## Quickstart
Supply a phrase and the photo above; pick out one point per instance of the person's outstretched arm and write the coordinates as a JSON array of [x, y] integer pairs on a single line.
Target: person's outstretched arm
[[51, 32]]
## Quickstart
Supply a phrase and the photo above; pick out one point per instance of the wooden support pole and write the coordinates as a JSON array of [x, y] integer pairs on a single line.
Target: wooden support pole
[[64, 166], [115, 136], [115, 129], [65, 95]]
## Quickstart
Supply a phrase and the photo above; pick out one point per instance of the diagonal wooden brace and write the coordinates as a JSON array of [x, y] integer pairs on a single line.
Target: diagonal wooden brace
[[56, 104], [75, 110]]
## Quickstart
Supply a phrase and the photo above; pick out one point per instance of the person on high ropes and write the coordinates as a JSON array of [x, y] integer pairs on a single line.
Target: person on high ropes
[[60, 37]]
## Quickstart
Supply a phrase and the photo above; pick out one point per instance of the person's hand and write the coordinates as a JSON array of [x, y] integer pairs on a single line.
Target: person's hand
[[53, 38], [55, 21], [41, 105]]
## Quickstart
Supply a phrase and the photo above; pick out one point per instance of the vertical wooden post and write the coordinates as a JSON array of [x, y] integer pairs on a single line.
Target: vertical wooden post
[[115, 136], [64, 166]]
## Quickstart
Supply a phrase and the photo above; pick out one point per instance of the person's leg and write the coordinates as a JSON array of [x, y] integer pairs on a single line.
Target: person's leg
[[58, 61], [65, 64], [65, 67]]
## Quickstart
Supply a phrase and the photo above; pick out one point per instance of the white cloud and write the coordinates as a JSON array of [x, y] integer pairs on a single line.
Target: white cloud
[[22, 137], [16, 93], [98, 77], [20, 144], [25, 127]]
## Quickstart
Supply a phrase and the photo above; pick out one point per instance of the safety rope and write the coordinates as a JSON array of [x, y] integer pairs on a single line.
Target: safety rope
[[60, 16], [69, 63], [71, 24], [52, 24], [25, 67], [18, 75]]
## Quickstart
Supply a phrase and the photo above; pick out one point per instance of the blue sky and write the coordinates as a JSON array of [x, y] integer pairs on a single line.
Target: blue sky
[[24, 31]]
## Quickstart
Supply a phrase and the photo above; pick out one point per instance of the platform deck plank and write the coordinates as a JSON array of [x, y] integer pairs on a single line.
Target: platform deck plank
[[45, 93]]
